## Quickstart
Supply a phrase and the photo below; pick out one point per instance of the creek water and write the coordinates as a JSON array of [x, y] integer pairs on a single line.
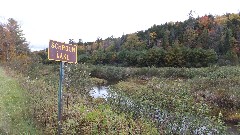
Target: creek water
[[99, 91]]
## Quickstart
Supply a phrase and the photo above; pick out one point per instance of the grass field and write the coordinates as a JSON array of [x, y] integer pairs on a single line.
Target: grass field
[[13, 118]]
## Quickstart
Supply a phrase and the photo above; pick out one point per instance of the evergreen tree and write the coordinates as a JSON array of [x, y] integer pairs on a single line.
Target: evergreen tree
[[165, 42], [229, 40], [203, 39], [172, 36], [17, 38]]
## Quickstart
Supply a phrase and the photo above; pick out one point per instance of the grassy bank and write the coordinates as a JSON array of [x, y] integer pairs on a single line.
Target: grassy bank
[[13, 117]]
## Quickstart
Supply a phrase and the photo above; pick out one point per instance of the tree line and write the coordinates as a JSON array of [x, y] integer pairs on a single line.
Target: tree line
[[195, 42]]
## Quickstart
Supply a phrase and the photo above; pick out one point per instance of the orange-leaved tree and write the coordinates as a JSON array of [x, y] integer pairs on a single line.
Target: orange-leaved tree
[[12, 41]]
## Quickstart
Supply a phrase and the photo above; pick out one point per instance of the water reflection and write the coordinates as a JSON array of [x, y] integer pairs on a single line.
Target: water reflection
[[99, 92]]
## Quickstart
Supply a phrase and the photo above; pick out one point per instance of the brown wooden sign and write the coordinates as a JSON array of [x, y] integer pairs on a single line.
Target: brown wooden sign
[[62, 52]]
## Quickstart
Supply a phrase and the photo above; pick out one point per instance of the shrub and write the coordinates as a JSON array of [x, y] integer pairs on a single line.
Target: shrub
[[82, 58]]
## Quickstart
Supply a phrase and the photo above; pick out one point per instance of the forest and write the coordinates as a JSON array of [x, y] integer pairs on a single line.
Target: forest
[[196, 42], [173, 78]]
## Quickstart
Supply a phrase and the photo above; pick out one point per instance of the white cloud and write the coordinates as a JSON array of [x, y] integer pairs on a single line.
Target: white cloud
[[89, 19]]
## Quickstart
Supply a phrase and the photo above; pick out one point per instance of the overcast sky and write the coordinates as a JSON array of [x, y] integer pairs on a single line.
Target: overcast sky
[[60, 20]]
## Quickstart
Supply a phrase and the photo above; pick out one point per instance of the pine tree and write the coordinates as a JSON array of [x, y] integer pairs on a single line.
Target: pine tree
[[17, 38]]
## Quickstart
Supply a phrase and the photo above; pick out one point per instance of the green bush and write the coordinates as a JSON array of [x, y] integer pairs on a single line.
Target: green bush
[[155, 57], [109, 72], [82, 58]]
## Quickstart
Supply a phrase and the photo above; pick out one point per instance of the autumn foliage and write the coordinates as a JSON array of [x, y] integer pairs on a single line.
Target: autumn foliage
[[195, 42], [12, 41]]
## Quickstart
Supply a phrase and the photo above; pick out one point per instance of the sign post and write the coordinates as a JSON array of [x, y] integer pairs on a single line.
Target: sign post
[[64, 53], [60, 98]]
